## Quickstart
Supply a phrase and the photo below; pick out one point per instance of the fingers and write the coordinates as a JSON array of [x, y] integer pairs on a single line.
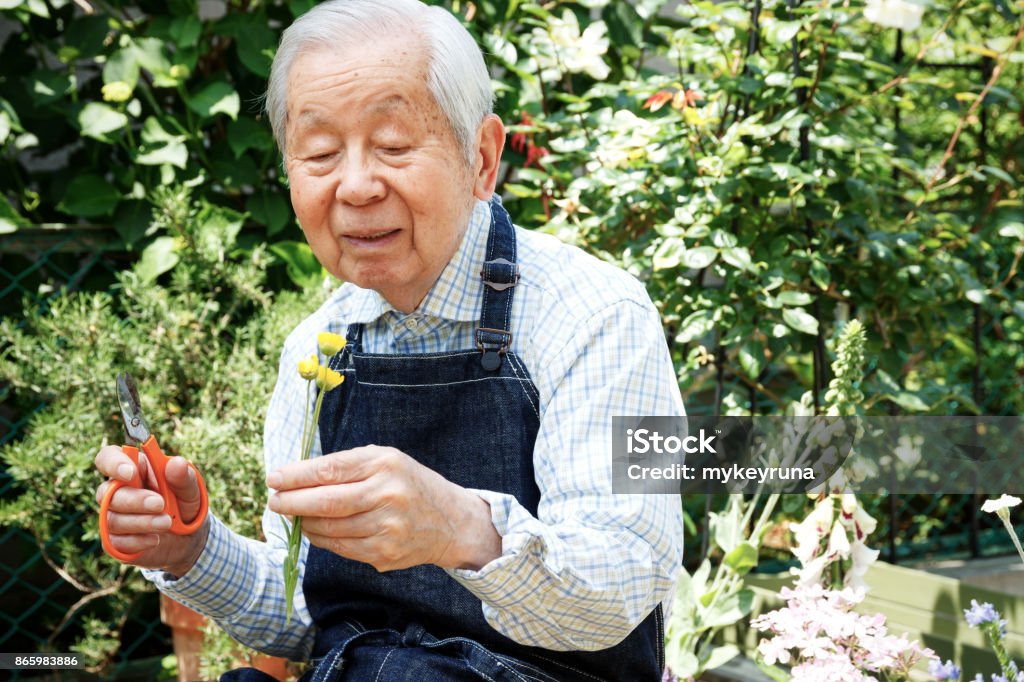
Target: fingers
[[183, 483], [132, 544], [112, 462], [330, 501], [338, 467]]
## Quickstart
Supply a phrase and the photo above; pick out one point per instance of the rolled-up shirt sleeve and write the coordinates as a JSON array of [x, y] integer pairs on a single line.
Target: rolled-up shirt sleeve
[[591, 565]]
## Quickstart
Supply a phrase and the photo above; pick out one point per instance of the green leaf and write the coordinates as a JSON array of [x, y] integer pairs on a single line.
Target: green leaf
[[780, 32], [157, 258], [742, 558], [215, 98], [909, 401], [800, 320], [256, 45], [719, 656], [269, 208], [38, 8], [1012, 230], [97, 120], [10, 219], [726, 527], [49, 86], [795, 298], [86, 34], [5, 126], [174, 153], [11, 4], [731, 609], [302, 266], [668, 253], [683, 663], [776, 673], [751, 357], [185, 30], [695, 325], [132, 220], [738, 257], [820, 274], [122, 66], [699, 257], [300, 7], [89, 196], [247, 133], [149, 54], [625, 26]]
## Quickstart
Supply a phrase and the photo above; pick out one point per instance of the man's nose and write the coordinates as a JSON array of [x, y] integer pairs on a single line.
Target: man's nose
[[359, 182]]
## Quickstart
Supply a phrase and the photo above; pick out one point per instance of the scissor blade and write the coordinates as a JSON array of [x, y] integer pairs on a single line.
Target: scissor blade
[[131, 409]]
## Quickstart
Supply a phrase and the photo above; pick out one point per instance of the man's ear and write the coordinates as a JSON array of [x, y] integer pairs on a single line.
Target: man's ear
[[490, 141]]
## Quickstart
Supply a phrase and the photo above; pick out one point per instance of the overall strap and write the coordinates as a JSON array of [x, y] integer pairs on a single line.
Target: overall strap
[[353, 342], [499, 275]]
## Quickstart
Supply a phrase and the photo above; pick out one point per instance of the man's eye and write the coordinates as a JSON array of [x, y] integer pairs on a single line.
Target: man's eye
[[320, 158], [394, 150]]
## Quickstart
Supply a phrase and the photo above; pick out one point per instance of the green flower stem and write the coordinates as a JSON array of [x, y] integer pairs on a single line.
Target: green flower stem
[[995, 638], [1005, 518], [291, 564]]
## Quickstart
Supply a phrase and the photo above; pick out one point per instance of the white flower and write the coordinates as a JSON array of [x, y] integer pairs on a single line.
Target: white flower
[[838, 542], [894, 13], [1004, 502], [561, 47], [861, 557]]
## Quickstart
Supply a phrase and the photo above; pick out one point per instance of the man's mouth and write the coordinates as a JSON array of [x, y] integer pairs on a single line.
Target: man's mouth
[[371, 236]]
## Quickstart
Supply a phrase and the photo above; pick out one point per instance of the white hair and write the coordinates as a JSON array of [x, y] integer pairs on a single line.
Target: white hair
[[457, 76]]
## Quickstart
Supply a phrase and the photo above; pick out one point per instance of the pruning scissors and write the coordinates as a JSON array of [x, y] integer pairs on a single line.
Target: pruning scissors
[[135, 425]]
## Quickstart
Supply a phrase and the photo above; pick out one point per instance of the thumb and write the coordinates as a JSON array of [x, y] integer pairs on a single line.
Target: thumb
[[181, 479]]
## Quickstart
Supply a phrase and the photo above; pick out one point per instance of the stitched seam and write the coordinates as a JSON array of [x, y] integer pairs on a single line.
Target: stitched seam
[[512, 365], [481, 674], [382, 664], [486, 652], [517, 664], [322, 672], [450, 383], [526, 375], [568, 667], [419, 356]]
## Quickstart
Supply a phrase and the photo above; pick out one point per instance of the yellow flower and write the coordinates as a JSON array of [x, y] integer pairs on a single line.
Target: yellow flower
[[309, 369], [330, 343], [329, 379], [118, 91]]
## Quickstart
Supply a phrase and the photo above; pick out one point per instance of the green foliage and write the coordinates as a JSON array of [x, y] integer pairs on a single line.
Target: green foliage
[[135, 97], [772, 171], [204, 349]]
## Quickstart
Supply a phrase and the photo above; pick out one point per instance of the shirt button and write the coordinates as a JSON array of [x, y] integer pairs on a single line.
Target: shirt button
[[412, 324]]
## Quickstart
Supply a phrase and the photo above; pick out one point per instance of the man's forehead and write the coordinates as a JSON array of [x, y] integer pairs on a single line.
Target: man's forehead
[[389, 105]]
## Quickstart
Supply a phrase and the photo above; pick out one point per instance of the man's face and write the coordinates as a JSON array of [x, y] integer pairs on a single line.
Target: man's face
[[379, 184]]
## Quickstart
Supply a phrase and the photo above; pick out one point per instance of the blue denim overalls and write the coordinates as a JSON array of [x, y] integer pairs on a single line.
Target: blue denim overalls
[[472, 416]]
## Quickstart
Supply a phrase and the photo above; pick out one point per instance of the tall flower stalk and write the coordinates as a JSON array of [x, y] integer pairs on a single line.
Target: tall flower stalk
[[326, 380]]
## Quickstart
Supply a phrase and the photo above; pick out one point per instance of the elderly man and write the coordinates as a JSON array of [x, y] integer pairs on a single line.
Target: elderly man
[[461, 523]]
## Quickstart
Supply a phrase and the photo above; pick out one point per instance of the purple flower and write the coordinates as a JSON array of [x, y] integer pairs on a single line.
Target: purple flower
[[979, 614], [940, 671]]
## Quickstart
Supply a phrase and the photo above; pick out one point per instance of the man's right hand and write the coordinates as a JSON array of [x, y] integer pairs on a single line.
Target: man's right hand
[[136, 519]]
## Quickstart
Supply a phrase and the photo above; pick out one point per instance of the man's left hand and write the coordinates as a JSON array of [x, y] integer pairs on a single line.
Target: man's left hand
[[380, 506]]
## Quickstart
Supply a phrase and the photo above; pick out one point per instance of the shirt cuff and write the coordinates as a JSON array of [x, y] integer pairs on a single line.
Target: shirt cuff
[[207, 587], [527, 564]]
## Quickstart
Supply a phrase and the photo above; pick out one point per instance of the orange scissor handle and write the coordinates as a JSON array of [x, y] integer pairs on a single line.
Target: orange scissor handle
[[158, 462]]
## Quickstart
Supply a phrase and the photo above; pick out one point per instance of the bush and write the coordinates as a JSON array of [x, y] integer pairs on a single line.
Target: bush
[[204, 349]]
